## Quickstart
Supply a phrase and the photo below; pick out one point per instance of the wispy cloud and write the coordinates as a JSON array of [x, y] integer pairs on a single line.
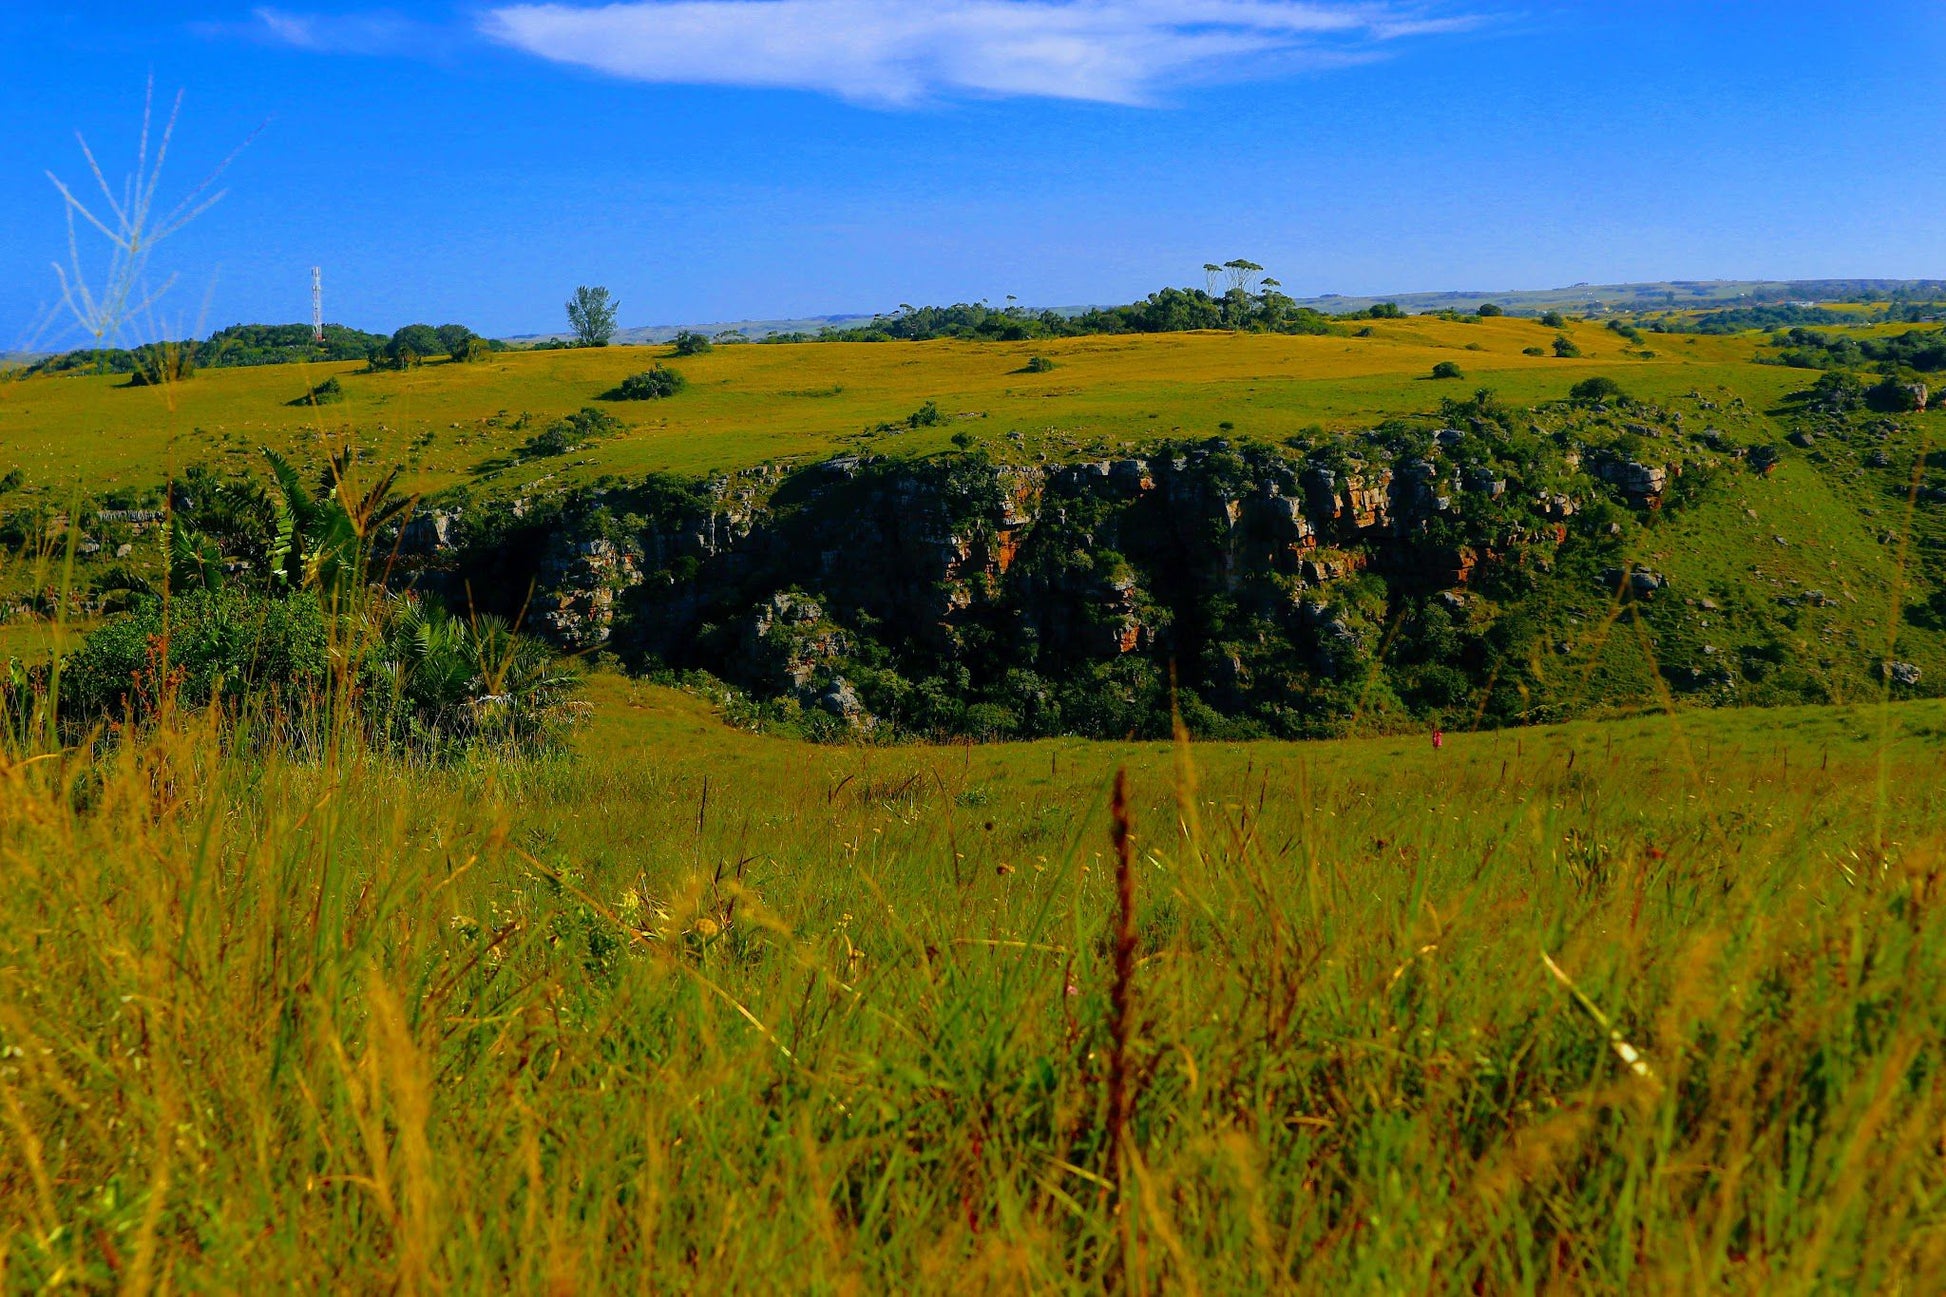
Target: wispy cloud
[[901, 51], [367, 33]]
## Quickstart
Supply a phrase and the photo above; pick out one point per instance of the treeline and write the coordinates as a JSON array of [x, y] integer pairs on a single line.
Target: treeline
[[1170, 310], [1923, 350], [242, 345], [237, 346], [1789, 315]]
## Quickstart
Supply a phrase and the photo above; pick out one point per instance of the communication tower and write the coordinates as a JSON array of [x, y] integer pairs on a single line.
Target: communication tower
[[317, 304]]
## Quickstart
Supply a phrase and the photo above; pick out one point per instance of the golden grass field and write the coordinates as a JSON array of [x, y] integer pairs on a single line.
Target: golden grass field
[[690, 1010], [755, 403]]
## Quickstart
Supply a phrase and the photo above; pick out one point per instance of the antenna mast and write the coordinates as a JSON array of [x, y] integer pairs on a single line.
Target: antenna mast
[[317, 304]]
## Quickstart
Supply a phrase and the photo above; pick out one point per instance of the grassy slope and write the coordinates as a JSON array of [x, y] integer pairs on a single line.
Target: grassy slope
[[363, 1027], [747, 405]]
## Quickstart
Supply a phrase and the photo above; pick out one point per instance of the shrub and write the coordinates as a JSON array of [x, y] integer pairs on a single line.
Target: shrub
[[926, 416], [563, 435], [1039, 365], [219, 643], [1564, 347], [1896, 396], [329, 392], [163, 362], [1447, 369], [1837, 391], [651, 384], [1488, 310], [1533, 351], [691, 343], [1553, 320], [1598, 388], [964, 439]]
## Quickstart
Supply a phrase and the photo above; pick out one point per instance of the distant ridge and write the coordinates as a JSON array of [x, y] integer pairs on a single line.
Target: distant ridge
[[653, 333], [1582, 299], [1673, 294]]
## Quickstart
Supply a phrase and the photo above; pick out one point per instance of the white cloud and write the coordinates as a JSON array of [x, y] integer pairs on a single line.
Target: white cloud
[[373, 33], [899, 51]]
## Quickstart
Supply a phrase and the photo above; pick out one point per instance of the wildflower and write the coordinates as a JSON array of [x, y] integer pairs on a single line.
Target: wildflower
[[706, 928]]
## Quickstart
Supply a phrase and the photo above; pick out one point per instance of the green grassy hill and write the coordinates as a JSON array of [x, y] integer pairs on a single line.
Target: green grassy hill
[[1806, 579], [749, 404]]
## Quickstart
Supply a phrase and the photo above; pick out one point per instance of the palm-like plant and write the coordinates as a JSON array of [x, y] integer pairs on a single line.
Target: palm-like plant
[[325, 539]]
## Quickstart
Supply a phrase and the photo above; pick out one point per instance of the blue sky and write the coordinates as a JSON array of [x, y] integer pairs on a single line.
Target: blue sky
[[723, 159]]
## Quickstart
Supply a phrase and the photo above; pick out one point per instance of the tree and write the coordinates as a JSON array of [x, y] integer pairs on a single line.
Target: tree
[[456, 340], [1243, 273], [409, 347], [1564, 347], [591, 314], [1489, 309], [690, 343], [1447, 369], [1553, 320]]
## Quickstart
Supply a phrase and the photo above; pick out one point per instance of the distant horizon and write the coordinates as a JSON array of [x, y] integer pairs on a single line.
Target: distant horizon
[[1507, 297]]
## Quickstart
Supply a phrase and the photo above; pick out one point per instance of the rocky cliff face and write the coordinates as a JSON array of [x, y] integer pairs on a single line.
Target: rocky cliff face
[[1265, 577]]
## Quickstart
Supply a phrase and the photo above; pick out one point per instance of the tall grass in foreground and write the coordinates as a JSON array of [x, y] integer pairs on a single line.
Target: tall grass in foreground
[[747, 1016]]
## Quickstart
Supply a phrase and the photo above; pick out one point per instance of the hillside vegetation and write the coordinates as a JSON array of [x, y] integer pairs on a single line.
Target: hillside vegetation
[[1273, 535]]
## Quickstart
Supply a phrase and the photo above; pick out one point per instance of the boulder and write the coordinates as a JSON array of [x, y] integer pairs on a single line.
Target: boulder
[[1902, 673]]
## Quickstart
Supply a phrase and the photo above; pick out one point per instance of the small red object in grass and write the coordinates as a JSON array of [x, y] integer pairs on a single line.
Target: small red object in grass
[[1438, 739]]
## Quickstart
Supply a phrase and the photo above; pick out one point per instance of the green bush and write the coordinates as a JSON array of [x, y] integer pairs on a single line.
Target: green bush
[[1836, 391], [691, 343], [1599, 388], [1553, 320], [926, 416], [563, 435], [329, 392], [163, 362], [1039, 365], [652, 384], [1533, 351], [1895, 396], [211, 643], [1564, 347], [1447, 369], [1489, 309]]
